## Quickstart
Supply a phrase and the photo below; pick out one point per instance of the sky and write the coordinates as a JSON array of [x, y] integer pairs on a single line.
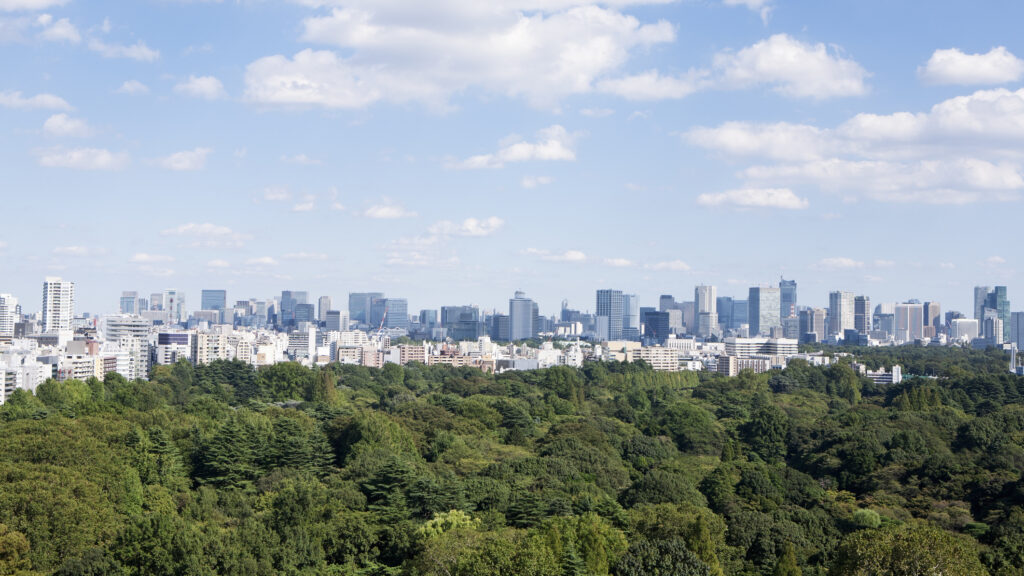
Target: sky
[[455, 151]]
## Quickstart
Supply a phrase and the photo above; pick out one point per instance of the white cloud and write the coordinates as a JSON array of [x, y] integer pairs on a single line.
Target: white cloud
[[781, 141], [276, 194], [531, 182], [307, 204], [762, 7], [29, 5], [207, 235], [133, 87], [793, 68], [138, 51], [468, 227], [156, 271], [839, 263], [994, 261], [218, 264], [72, 251], [64, 125], [997, 66], [301, 159], [387, 212], [597, 112], [83, 159], [145, 258], [567, 256], [205, 87], [652, 85], [671, 265], [947, 265], [306, 256], [884, 263], [400, 52], [261, 261], [553, 143], [618, 262], [40, 101], [783, 198], [58, 31], [186, 160]]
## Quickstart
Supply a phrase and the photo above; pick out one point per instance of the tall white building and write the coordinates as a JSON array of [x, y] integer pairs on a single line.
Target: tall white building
[[8, 315], [705, 300], [841, 313], [58, 305], [909, 322], [174, 304]]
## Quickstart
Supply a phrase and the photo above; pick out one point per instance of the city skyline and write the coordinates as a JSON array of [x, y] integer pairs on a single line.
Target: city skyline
[[154, 152]]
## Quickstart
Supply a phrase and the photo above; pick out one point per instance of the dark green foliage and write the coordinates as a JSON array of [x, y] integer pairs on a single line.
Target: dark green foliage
[[668, 557]]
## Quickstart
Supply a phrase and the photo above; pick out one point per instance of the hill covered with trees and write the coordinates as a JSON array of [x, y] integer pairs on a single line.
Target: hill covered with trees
[[612, 469]]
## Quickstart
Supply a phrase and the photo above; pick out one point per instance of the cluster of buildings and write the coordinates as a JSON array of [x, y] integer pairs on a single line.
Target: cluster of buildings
[[710, 332]]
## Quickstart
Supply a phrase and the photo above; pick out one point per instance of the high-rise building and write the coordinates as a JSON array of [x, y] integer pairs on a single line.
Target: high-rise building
[[214, 300], [290, 300], [8, 315], [963, 329], [609, 305], [909, 322], [787, 298], [993, 330], [763, 306], [840, 313], [980, 302], [428, 319], [389, 313], [156, 301], [58, 305], [130, 303], [174, 304], [305, 313], [812, 325], [656, 326], [462, 322], [1017, 328], [323, 306], [706, 303], [862, 314], [336, 321], [359, 305], [723, 305], [630, 317], [997, 301], [520, 317], [666, 302], [933, 318]]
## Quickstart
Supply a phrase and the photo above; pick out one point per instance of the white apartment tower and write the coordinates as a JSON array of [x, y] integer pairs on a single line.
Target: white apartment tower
[[58, 305], [840, 312], [8, 315], [706, 301]]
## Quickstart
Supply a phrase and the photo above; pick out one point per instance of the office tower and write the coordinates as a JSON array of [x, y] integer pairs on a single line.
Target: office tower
[[980, 302], [8, 315], [933, 318], [323, 306], [336, 321], [501, 328], [723, 305], [666, 302], [909, 322], [142, 304], [963, 329], [787, 298], [290, 300], [656, 328], [58, 305], [462, 322], [997, 301], [812, 325], [389, 313], [740, 313], [862, 314], [156, 301], [174, 304], [428, 319], [520, 317], [840, 313], [130, 303], [305, 313], [630, 317], [763, 305], [359, 305], [609, 305], [214, 300], [1016, 328], [706, 303], [993, 330]]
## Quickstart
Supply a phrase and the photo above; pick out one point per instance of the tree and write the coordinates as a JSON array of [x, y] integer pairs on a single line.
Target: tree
[[787, 565], [661, 558], [908, 550], [13, 551]]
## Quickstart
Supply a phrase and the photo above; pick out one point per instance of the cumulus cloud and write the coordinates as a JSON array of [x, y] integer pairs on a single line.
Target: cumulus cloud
[[597, 112], [205, 87], [531, 182], [387, 212], [306, 256], [652, 85], [539, 51], [994, 261], [83, 159], [566, 256], [276, 194], [133, 87], [618, 262], [468, 227], [73, 251], [207, 235], [63, 125], [187, 160], [306, 205], [39, 101], [58, 30], [553, 143], [29, 5], [670, 265], [261, 261], [145, 258], [783, 198], [997, 66], [839, 263], [138, 51], [218, 264]]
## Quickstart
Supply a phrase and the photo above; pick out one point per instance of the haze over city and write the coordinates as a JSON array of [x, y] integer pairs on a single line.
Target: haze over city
[[648, 146]]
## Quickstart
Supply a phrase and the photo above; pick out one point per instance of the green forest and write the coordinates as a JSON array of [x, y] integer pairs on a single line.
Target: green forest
[[609, 469]]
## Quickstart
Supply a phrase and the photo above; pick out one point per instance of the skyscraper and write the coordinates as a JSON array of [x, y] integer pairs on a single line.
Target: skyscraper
[[1017, 328], [58, 305], [290, 299], [862, 314], [359, 305], [630, 317], [174, 304], [787, 298], [909, 322], [8, 315], [323, 306], [129, 303], [214, 299], [156, 301], [812, 325], [706, 304], [763, 306], [980, 300], [520, 317], [933, 317], [609, 305], [992, 299], [840, 313], [389, 312], [337, 321]]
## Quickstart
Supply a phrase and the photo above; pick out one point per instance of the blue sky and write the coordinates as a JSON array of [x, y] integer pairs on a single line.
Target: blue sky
[[456, 151]]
